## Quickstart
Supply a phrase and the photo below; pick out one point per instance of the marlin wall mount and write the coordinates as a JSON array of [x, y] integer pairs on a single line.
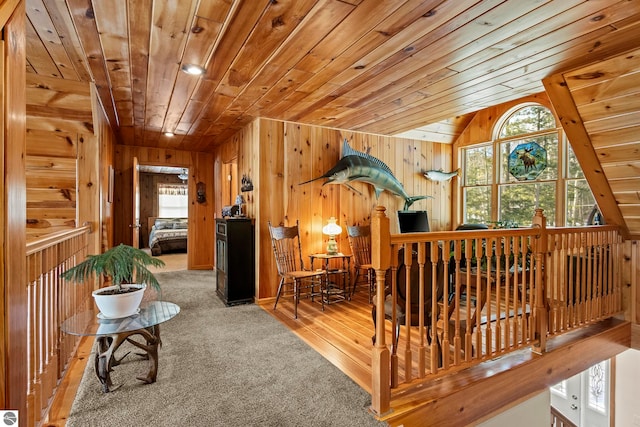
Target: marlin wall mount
[[358, 166]]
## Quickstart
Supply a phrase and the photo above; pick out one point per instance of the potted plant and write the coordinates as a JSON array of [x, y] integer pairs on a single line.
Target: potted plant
[[126, 268]]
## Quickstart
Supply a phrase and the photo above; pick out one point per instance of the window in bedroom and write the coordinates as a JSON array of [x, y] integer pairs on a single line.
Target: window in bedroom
[[173, 201], [529, 164]]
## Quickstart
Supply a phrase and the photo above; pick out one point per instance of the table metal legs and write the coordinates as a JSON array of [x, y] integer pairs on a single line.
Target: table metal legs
[[105, 358]]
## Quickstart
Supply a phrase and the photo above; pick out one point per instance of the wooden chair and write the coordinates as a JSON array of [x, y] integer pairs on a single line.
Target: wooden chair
[[467, 325], [360, 242], [287, 250], [414, 290]]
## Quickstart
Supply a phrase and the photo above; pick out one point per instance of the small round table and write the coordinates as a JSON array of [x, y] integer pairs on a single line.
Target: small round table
[[111, 333]]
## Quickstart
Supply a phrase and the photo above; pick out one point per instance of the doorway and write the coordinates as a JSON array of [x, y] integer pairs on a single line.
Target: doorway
[[164, 194], [585, 398]]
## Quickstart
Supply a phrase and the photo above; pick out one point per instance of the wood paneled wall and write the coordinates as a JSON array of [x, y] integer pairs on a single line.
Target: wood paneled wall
[[599, 109], [59, 120], [201, 215], [13, 292], [107, 143], [279, 156]]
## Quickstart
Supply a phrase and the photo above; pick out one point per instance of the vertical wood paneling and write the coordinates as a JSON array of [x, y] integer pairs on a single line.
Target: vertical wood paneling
[[201, 215], [88, 184], [299, 153], [200, 240], [106, 142], [4, 319], [269, 197], [14, 307]]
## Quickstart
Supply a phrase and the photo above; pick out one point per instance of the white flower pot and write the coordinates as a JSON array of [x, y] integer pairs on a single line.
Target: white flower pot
[[119, 305]]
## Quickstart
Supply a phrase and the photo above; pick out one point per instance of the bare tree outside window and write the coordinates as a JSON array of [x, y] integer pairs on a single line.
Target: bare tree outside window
[[486, 172]]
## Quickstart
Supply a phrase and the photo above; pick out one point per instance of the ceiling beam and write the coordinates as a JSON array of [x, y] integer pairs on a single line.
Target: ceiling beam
[[572, 123]]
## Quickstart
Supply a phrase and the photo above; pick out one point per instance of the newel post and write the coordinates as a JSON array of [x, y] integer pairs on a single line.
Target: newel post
[[380, 259], [540, 314]]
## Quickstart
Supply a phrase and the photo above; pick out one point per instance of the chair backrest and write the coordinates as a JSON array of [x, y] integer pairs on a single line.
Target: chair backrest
[[414, 288], [360, 242], [286, 248]]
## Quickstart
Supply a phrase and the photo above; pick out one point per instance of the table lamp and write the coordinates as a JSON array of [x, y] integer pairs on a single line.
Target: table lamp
[[240, 201], [332, 230]]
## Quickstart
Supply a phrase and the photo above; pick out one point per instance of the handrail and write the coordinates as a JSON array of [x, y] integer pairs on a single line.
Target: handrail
[[559, 420], [462, 234], [52, 239], [503, 289], [50, 301]]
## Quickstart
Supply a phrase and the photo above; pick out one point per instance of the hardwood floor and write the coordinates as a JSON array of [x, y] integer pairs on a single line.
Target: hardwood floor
[[342, 334]]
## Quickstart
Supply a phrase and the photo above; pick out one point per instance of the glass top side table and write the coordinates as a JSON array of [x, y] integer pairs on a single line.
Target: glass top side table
[[112, 333]]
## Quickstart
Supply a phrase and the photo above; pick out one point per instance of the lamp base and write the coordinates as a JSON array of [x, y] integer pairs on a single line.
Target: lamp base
[[332, 246]]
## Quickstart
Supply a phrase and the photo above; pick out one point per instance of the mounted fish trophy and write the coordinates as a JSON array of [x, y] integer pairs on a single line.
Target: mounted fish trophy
[[439, 175], [358, 166]]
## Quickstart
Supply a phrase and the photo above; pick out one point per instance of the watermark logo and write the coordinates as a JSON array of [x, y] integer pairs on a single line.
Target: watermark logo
[[8, 418]]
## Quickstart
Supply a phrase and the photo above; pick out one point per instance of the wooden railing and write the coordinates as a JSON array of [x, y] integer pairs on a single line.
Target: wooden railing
[[50, 301], [559, 420], [495, 291]]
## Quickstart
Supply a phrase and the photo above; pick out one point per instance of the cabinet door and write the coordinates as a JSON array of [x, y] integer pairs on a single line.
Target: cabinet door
[[221, 255]]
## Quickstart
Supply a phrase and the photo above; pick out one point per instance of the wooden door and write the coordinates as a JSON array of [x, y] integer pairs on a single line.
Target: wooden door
[[135, 225]]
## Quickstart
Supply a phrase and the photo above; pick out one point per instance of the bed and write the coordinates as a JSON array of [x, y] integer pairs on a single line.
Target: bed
[[167, 235]]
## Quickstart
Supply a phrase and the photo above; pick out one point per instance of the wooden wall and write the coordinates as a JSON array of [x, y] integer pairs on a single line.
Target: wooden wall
[[107, 143], [599, 109], [13, 292], [278, 156], [59, 120], [201, 223]]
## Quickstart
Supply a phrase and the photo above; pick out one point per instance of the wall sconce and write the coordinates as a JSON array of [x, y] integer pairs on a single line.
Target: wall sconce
[[201, 192], [332, 230]]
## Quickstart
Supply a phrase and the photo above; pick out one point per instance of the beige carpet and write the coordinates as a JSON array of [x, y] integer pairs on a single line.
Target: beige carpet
[[223, 366]]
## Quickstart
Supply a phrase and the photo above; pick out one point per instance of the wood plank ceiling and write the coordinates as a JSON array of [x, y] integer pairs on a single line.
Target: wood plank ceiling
[[383, 67], [599, 107]]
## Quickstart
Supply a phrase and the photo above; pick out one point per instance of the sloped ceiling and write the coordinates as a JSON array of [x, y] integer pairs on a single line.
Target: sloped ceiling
[[599, 107]]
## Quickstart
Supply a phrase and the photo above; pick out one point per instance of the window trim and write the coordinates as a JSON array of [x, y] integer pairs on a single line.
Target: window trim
[[561, 182]]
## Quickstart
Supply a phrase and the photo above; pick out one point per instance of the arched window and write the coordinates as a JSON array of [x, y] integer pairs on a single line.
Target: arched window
[[529, 119], [528, 165]]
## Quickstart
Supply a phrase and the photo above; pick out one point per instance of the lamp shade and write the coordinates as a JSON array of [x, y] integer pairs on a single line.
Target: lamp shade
[[332, 229]]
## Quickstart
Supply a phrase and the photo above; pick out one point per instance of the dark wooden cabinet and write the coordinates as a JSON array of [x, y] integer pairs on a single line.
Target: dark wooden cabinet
[[235, 260]]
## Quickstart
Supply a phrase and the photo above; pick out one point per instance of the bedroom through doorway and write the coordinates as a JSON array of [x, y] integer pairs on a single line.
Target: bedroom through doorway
[[164, 213]]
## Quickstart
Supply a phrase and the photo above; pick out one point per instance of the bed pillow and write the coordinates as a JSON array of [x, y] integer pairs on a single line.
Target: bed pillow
[[163, 224], [178, 225]]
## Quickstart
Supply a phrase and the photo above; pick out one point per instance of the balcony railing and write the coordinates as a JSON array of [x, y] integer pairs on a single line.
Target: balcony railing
[[495, 291], [50, 301]]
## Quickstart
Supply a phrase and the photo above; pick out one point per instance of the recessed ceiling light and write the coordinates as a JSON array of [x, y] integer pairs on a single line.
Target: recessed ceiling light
[[193, 69], [168, 134]]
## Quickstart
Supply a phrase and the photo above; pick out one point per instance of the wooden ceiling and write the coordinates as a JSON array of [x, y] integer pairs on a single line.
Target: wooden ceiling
[[599, 107], [375, 66]]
